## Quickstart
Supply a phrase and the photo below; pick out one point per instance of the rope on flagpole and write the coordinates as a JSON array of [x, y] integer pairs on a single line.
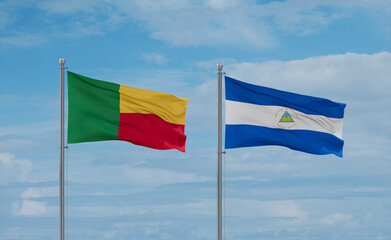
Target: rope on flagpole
[[66, 193], [224, 182]]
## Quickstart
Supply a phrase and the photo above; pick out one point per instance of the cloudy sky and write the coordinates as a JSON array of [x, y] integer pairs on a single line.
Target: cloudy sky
[[340, 50]]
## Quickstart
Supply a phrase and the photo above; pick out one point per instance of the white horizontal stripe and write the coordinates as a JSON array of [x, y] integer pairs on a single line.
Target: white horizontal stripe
[[270, 116]]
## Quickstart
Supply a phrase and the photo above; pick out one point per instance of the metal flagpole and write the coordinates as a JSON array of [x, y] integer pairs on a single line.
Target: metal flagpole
[[219, 152], [62, 62]]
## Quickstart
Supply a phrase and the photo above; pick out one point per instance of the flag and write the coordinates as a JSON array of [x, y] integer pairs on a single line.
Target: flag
[[99, 111], [259, 116]]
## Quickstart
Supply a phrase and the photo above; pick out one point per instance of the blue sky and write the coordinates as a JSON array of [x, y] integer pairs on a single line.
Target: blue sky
[[339, 50]]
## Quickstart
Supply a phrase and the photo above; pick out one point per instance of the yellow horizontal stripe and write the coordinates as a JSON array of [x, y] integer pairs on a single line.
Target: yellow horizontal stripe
[[168, 107]]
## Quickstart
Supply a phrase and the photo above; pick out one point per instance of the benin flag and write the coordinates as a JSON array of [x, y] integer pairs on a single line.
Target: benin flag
[[100, 111]]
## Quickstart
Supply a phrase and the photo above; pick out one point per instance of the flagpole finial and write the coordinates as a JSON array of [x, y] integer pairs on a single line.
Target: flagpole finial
[[219, 67], [62, 61]]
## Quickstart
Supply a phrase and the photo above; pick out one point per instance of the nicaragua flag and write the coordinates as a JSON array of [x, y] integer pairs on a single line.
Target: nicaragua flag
[[259, 116]]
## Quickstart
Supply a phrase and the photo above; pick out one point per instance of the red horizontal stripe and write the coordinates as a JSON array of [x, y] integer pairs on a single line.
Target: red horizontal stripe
[[151, 131]]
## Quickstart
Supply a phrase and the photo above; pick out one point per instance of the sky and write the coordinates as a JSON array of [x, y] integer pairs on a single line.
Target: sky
[[340, 50]]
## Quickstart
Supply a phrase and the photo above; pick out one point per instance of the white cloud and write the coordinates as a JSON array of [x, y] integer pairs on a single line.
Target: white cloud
[[27, 136], [190, 23], [108, 211], [136, 224], [243, 208], [147, 228], [216, 22], [248, 208], [100, 194], [12, 169], [222, 3], [195, 24], [40, 192], [294, 18], [251, 166], [154, 58], [141, 168], [108, 234], [200, 207], [29, 208], [23, 40], [154, 177], [91, 25], [336, 218], [15, 142], [369, 189], [54, 19], [302, 17], [35, 128], [357, 73], [72, 6], [3, 19]]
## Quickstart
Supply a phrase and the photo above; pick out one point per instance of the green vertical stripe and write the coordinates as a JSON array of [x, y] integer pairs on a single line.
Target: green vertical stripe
[[93, 109]]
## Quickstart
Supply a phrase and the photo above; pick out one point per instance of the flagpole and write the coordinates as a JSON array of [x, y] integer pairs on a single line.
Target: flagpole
[[219, 152], [62, 62]]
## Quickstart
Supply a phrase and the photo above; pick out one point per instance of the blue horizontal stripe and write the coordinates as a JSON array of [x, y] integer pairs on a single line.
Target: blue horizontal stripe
[[239, 91], [237, 136]]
